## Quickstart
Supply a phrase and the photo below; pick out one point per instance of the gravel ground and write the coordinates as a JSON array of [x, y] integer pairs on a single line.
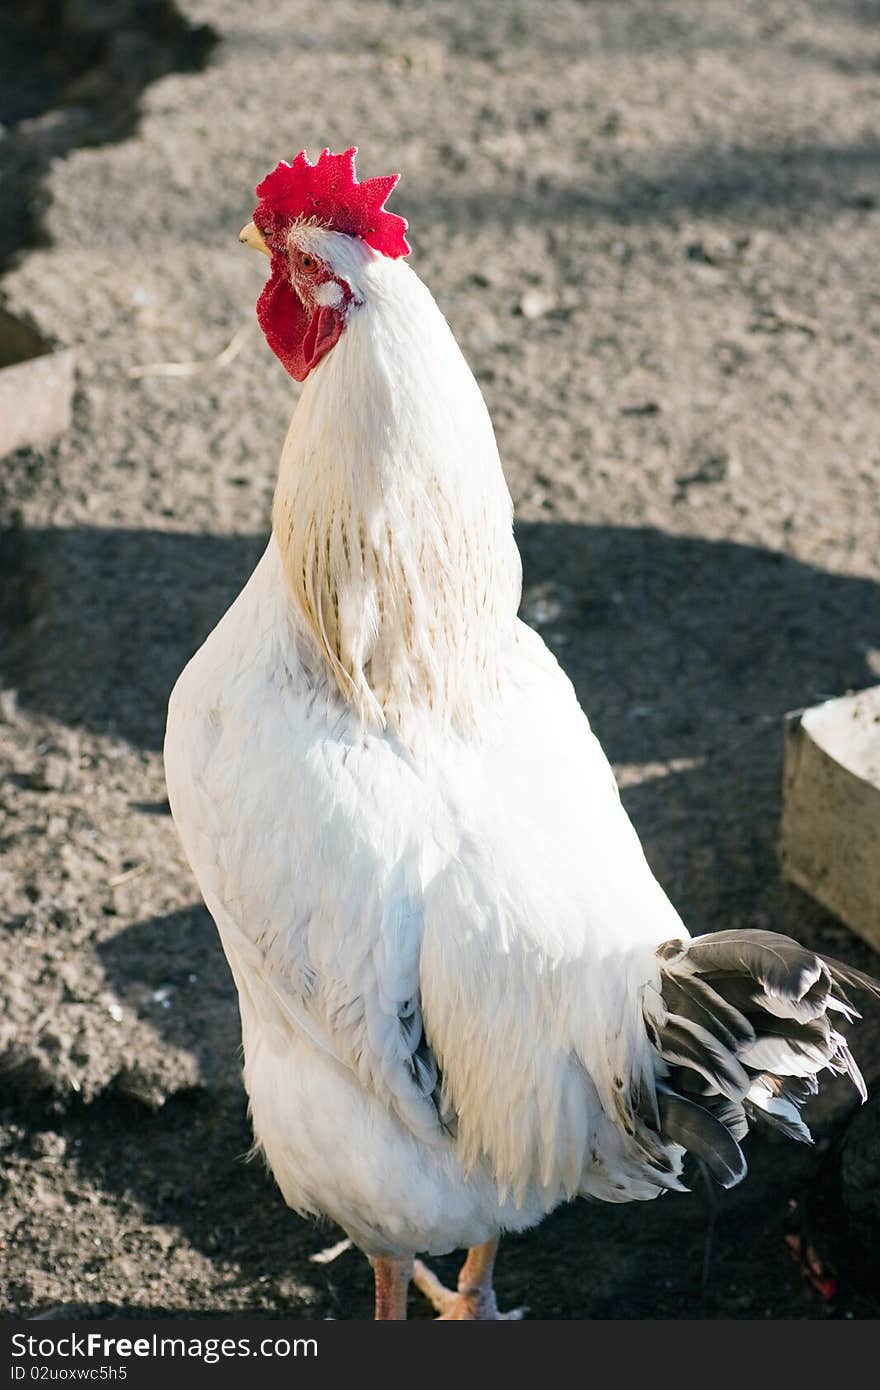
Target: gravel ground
[[653, 228]]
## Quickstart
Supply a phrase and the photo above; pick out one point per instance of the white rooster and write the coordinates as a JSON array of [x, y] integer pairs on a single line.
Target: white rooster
[[464, 996]]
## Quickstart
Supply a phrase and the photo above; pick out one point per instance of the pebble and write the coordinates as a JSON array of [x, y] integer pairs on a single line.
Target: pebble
[[534, 304], [51, 775], [49, 1145]]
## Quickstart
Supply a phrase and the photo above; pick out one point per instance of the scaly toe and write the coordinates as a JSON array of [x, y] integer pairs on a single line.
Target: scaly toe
[[476, 1305], [437, 1294], [467, 1308]]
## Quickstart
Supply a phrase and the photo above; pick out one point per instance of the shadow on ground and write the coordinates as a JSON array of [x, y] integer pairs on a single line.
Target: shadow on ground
[[680, 1257], [73, 75], [686, 653], [670, 640], [742, 183]]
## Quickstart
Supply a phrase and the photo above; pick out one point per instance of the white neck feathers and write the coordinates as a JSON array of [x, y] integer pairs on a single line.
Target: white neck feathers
[[393, 518]]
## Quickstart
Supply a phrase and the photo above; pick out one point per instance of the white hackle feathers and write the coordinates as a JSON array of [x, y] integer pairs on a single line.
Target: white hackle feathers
[[391, 513]]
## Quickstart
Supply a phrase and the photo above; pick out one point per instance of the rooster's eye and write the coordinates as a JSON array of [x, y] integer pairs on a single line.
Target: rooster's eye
[[305, 261]]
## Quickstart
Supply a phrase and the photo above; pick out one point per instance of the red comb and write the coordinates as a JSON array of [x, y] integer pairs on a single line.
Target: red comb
[[329, 192]]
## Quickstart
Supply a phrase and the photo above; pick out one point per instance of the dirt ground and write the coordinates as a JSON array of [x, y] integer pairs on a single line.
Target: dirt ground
[[653, 227]]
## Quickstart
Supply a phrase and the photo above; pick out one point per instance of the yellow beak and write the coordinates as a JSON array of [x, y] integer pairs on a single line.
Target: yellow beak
[[250, 236]]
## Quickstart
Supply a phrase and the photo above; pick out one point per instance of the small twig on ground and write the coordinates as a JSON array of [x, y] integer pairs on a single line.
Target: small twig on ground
[[773, 317], [325, 1257], [223, 359], [118, 880]]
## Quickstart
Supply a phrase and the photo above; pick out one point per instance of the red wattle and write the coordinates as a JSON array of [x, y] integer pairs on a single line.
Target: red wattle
[[299, 338]]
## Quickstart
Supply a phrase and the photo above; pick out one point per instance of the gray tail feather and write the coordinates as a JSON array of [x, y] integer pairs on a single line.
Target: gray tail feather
[[744, 1024]]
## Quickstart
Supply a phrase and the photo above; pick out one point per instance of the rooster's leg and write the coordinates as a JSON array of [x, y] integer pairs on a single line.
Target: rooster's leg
[[475, 1297], [392, 1282]]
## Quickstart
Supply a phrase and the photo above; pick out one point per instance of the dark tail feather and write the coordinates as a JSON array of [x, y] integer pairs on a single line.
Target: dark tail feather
[[686, 1044], [697, 1130], [744, 1025]]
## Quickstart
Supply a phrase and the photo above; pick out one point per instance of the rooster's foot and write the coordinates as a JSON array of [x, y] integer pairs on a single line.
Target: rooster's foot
[[474, 1300]]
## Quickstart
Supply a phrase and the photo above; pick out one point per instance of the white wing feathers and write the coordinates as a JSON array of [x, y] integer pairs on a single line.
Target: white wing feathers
[[320, 936], [360, 1007]]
